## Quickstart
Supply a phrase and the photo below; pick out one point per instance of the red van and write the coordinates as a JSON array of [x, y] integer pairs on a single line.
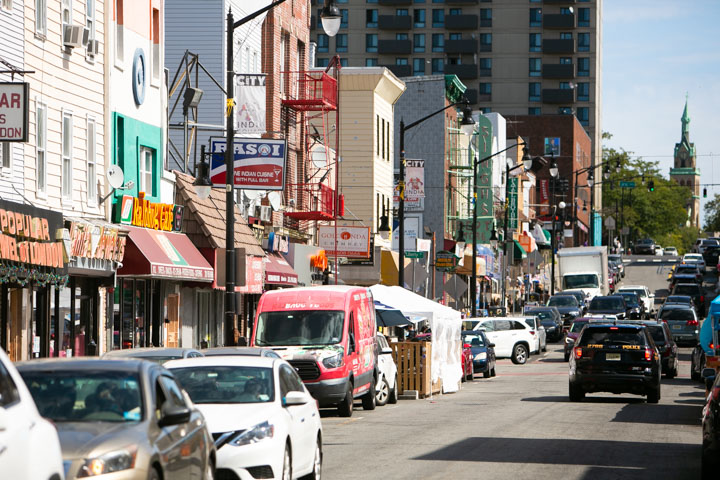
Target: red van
[[327, 333]]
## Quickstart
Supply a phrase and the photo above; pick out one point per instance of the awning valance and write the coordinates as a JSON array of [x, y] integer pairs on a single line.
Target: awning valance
[[519, 252], [278, 271]]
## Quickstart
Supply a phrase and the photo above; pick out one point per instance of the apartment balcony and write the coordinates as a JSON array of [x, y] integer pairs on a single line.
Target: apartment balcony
[[554, 70], [394, 22], [558, 95], [558, 46], [558, 20], [400, 70], [461, 22], [461, 46], [464, 72], [386, 47], [393, 3]]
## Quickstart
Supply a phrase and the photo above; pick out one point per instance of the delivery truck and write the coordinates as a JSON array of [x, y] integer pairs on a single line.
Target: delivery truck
[[583, 268]]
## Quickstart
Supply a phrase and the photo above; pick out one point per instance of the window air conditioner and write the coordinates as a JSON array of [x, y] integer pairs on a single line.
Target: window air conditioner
[[265, 213], [73, 36]]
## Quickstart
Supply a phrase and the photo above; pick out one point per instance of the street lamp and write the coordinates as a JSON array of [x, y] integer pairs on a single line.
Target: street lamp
[[466, 121], [331, 18], [202, 182]]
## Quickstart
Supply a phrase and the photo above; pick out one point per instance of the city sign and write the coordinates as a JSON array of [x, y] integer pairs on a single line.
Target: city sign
[[258, 163]]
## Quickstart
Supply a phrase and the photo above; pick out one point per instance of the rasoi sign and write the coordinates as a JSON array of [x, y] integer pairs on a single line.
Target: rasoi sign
[[259, 163], [351, 241]]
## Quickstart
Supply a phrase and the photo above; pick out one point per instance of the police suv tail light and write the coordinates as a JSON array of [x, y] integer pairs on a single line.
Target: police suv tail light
[[578, 352], [648, 354]]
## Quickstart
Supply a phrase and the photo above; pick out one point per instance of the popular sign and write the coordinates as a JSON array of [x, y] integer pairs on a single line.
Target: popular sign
[[258, 163], [140, 212], [351, 241], [25, 238], [14, 112]]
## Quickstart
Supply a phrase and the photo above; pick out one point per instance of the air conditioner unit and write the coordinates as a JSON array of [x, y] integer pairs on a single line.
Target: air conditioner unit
[[73, 36], [93, 47], [265, 213]]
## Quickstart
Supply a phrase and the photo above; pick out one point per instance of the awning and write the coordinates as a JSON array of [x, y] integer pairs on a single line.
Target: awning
[[159, 254], [466, 268], [518, 251], [278, 271]]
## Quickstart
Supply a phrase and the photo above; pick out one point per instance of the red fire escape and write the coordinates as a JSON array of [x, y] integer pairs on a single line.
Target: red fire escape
[[315, 91]]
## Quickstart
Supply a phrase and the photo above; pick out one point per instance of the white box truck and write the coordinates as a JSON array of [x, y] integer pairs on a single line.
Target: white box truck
[[583, 268]]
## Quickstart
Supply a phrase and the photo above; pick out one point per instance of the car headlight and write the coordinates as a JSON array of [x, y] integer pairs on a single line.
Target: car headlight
[[481, 356], [333, 362], [569, 340], [254, 435], [114, 461]]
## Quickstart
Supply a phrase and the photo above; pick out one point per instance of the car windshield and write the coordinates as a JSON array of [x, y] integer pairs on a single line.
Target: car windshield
[[577, 326], [678, 299], [612, 336], [588, 280], [227, 384], [86, 396], [687, 290], [657, 334], [677, 314], [607, 303], [299, 327], [474, 340], [640, 293], [630, 298], [686, 269], [562, 301], [543, 314]]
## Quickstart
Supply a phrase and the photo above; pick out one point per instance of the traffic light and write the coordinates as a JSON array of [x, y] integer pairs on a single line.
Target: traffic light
[[651, 186], [704, 192]]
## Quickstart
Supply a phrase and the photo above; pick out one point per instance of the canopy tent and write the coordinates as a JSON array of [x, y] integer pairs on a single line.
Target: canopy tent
[[445, 324], [388, 316]]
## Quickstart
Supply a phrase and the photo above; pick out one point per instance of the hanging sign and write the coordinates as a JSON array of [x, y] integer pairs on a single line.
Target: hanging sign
[[14, 112], [258, 163], [414, 179], [251, 101], [445, 261], [140, 212]]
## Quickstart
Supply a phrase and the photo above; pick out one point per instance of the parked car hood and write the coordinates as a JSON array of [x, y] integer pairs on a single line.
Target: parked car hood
[[227, 417], [87, 439], [568, 309]]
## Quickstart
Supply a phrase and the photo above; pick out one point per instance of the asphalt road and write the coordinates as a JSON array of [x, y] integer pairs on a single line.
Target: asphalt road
[[520, 424]]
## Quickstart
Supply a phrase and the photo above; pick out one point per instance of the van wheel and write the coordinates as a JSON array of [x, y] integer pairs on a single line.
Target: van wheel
[[345, 408], [383, 395], [368, 400], [519, 354], [394, 393]]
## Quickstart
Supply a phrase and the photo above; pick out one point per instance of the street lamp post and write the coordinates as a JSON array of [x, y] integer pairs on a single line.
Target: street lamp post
[[467, 126]]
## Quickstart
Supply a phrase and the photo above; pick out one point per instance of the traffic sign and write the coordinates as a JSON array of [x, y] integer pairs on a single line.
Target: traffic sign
[[409, 254], [627, 184], [610, 223]]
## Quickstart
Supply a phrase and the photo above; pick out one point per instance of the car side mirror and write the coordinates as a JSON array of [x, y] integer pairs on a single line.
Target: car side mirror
[[295, 398], [173, 415], [491, 345], [386, 350]]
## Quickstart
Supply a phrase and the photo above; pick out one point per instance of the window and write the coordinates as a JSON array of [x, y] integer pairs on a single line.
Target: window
[[401, 61], [419, 18], [583, 92], [534, 91], [436, 65], [119, 35], [156, 42], [583, 116], [344, 18], [41, 18], [343, 62], [40, 147], [377, 134], [455, 11], [90, 23], [371, 62], [6, 5], [341, 42], [535, 42], [486, 42], [371, 18], [566, 11], [371, 42], [485, 17], [565, 61], [565, 111], [418, 1], [486, 67], [534, 111], [419, 42], [535, 17], [535, 67], [418, 66], [438, 18], [382, 141], [66, 149], [371, 1], [583, 67], [66, 15], [322, 62], [285, 59], [583, 17], [323, 43], [485, 89], [91, 162], [438, 42], [583, 42], [455, 36], [289, 381], [172, 391], [566, 36], [401, 36], [8, 390], [146, 170], [5, 158], [402, 12], [565, 85]]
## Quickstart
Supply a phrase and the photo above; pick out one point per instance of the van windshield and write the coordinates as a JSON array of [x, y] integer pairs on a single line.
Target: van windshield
[[299, 327], [580, 281]]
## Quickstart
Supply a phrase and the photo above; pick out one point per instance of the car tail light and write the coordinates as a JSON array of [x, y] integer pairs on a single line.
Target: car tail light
[[578, 352], [532, 332], [702, 298], [692, 323], [648, 354]]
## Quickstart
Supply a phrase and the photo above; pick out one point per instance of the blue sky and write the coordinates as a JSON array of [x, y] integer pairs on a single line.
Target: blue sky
[[653, 52]]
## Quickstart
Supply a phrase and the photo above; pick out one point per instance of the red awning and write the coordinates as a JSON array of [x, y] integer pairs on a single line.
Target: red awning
[[278, 271], [158, 254]]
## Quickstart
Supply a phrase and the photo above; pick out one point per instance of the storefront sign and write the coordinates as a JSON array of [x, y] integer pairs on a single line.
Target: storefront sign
[[445, 261], [512, 187], [96, 242], [258, 163], [140, 212], [484, 199], [25, 238], [319, 261], [351, 241], [14, 112]]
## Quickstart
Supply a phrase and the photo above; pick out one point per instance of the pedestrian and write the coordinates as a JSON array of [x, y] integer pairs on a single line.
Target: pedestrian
[[411, 333]]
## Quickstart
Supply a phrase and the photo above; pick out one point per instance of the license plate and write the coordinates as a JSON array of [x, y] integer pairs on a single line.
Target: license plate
[[677, 327], [612, 357]]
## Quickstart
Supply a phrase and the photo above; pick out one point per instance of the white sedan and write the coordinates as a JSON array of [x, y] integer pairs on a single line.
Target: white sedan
[[264, 421], [23, 430], [386, 390], [694, 258]]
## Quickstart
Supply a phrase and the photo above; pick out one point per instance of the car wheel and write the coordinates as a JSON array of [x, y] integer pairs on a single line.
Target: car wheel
[[653, 395], [345, 408], [519, 354], [382, 395], [486, 373], [210, 471], [394, 393], [492, 372], [471, 372], [576, 394], [694, 373], [368, 400], [287, 465], [544, 349], [317, 463]]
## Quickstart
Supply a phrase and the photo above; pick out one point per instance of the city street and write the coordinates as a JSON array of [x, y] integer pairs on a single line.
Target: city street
[[522, 424]]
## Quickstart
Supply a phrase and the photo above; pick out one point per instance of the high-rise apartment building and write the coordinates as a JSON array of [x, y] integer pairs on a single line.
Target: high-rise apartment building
[[517, 57]]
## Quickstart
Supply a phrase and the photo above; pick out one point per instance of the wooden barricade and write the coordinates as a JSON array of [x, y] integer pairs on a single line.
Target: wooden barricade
[[413, 360]]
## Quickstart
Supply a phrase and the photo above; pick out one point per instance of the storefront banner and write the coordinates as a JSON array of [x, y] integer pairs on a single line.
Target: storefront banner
[[254, 275], [14, 112], [95, 242], [414, 179], [250, 109], [258, 163], [351, 241], [140, 212]]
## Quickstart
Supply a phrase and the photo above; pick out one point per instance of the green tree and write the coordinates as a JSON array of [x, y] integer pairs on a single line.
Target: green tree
[[712, 214]]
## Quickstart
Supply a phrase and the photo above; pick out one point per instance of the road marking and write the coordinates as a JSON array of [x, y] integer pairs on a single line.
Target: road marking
[[641, 260], [657, 260]]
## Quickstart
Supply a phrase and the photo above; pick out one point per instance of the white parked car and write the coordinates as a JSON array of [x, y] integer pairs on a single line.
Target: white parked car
[[643, 293], [659, 251], [511, 336], [264, 421], [694, 258], [23, 431], [671, 251], [386, 390], [539, 334]]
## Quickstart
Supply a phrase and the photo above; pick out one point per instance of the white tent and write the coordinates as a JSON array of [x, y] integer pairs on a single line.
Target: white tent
[[445, 324]]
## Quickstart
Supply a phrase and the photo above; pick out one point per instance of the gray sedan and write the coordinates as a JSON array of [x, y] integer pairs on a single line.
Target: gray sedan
[[125, 417], [154, 354]]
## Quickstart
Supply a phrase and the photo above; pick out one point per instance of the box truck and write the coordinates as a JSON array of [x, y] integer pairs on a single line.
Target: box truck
[[583, 268]]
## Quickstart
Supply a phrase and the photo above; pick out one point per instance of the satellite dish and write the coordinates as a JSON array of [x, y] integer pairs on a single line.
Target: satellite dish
[[319, 156], [253, 195], [275, 200], [115, 176]]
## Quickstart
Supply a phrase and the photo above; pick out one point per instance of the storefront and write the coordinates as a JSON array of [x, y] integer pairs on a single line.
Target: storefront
[[32, 274]]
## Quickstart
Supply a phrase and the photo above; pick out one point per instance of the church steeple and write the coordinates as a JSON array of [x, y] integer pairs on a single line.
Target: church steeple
[[685, 123]]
